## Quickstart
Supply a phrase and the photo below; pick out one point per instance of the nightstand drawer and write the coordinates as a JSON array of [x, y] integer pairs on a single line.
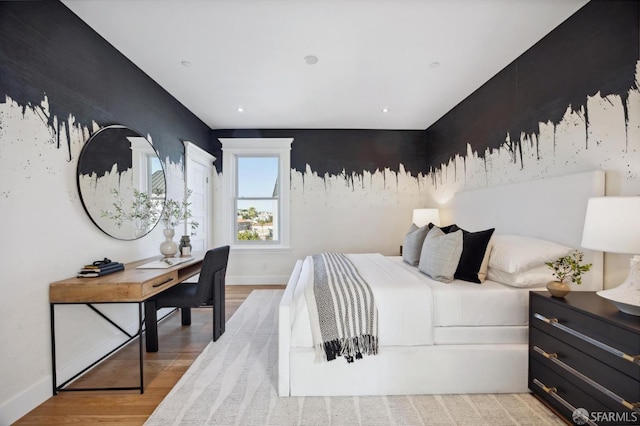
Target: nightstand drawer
[[612, 345], [561, 394], [583, 353], [613, 388], [566, 397]]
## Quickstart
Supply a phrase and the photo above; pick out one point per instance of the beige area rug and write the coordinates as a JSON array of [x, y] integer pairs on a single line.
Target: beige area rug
[[234, 382]]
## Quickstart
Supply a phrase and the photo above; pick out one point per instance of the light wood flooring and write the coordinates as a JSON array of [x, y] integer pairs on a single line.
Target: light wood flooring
[[178, 347]]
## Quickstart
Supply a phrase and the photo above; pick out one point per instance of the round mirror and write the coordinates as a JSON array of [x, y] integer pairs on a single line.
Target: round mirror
[[121, 182]]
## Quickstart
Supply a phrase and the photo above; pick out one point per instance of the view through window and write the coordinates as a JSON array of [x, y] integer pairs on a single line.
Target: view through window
[[257, 199]]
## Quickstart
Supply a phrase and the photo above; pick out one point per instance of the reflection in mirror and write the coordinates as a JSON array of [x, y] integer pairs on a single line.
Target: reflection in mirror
[[121, 182]]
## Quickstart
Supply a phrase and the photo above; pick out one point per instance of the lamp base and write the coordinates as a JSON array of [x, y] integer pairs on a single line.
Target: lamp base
[[626, 296]]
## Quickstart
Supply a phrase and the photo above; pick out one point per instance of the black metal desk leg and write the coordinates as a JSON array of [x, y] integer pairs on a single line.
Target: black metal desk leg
[[53, 348]]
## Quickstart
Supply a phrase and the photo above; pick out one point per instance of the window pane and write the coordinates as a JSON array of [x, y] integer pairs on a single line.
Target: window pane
[[257, 220], [157, 176], [257, 177]]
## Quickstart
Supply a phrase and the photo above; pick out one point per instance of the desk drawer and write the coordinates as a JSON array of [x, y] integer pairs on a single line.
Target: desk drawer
[[161, 283]]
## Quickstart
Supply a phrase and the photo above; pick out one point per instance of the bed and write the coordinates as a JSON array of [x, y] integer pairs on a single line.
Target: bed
[[437, 338]]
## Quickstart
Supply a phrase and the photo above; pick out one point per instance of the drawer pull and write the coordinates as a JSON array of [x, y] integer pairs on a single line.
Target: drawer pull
[[554, 358], [168, 280], [553, 392], [544, 388], [634, 359], [547, 320]]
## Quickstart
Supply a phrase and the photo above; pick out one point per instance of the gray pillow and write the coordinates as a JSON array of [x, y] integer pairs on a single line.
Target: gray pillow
[[441, 254], [412, 244]]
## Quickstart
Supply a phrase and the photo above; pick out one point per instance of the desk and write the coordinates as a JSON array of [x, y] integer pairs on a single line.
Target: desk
[[129, 286]]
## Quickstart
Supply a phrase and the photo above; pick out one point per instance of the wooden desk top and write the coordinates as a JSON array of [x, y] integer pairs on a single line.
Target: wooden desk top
[[130, 285]]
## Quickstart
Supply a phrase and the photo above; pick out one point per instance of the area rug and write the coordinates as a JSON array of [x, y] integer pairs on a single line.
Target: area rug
[[234, 382]]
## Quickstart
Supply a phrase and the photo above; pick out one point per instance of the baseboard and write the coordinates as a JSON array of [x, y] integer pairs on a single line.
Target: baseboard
[[25, 401], [30, 398], [256, 279], [42, 390]]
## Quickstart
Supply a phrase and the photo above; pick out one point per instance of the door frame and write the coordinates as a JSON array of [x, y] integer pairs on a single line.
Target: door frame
[[193, 153]]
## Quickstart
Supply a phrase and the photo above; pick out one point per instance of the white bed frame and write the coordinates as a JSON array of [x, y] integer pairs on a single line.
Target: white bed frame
[[552, 209]]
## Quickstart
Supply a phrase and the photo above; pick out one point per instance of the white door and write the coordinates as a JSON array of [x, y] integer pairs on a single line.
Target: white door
[[199, 169]]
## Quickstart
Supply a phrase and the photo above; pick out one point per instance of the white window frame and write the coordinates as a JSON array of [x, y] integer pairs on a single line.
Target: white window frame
[[255, 147]]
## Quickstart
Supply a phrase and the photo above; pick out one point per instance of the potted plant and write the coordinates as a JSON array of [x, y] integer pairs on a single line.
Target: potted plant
[[175, 212], [143, 212], [566, 269], [146, 210]]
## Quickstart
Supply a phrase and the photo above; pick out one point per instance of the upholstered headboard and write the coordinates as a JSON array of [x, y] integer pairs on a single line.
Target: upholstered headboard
[[551, 209]]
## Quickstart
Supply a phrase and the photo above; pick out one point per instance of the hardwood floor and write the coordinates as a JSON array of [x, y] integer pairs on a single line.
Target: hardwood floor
[[178, 347]]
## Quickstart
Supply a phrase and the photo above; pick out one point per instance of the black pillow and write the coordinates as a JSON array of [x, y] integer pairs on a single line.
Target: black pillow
[[474, 248], [446, 229]]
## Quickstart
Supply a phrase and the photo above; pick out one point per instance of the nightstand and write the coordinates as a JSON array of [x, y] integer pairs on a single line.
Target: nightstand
[[584, 358]]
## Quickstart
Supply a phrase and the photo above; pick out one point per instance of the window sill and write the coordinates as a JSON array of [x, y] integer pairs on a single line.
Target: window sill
[[249, 249]]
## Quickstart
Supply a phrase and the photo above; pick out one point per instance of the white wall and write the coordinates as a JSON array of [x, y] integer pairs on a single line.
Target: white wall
[[47, 236], [368, 213]]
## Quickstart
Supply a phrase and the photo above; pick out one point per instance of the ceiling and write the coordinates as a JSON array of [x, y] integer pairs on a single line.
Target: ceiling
[[415, 58]]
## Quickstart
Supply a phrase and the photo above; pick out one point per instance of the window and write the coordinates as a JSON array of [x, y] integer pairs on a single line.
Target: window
[[256, 192], [256, 199]]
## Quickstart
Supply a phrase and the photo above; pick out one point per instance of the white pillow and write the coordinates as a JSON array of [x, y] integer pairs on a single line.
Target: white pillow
[[534, 277], [441, 254], [515, 253]]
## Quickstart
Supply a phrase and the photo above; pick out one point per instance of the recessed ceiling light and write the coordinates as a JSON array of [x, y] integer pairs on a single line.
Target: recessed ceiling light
[[385, 110], [186, 64], [311, 59], [434, 65], [240, 109]]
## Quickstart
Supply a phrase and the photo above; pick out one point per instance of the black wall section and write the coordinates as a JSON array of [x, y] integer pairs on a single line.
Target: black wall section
[[45, 49], [113, 147], [348, 150], [595, 50]]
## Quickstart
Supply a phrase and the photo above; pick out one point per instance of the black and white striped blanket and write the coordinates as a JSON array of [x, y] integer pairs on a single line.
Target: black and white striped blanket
[[342, 310]]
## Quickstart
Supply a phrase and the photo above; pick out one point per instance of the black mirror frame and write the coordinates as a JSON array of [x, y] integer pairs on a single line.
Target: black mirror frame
[[100, 133]]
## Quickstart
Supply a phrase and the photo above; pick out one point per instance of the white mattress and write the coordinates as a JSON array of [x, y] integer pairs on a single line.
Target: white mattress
[[461, 303], [416, 310]]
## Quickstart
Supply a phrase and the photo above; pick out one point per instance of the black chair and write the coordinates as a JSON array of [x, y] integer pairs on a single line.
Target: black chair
[[209, 290]]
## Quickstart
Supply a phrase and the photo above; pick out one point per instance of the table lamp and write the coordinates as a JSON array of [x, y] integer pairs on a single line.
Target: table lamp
[[612, 224], [422, 217]]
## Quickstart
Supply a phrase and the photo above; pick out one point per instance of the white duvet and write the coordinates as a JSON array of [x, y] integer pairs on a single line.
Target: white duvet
[[404, 302], [410, 304]]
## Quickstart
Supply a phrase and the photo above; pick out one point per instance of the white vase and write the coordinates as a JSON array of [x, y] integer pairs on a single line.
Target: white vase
[[169, 248]]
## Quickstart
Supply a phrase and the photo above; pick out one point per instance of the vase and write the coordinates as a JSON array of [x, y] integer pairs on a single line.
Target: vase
[[558, 288], [169, 248], [185, 245]]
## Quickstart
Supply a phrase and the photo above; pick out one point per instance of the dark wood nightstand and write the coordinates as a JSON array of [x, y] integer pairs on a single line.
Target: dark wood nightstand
[[584, 355]]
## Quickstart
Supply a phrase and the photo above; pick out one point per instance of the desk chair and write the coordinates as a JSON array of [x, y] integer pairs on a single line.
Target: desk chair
[[209, 290]]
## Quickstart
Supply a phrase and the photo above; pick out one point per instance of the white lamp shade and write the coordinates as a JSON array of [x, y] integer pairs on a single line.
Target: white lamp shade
[[422, 217], [612, 224]]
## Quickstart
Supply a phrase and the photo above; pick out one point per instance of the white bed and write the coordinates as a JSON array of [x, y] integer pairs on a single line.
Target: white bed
[[446, 338]]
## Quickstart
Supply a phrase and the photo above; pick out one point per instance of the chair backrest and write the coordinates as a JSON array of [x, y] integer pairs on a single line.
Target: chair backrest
[[212, 274]]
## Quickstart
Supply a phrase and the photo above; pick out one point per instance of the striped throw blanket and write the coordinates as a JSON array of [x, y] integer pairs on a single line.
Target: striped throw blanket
[[342, 310]]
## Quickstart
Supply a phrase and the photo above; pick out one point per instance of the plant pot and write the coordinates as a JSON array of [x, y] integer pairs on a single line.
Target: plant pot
[[185, 245], [558, 288]]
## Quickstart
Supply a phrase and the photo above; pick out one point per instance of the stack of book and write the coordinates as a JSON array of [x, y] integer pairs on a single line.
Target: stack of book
[[102, 268]]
